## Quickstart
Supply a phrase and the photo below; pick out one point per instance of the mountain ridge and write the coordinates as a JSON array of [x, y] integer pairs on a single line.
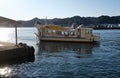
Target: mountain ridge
[[68, 21]]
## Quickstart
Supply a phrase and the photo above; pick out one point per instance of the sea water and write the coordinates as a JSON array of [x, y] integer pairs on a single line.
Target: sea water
[[65, 60]]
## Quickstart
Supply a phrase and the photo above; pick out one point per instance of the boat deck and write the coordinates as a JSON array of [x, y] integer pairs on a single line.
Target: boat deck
[[67, 39]]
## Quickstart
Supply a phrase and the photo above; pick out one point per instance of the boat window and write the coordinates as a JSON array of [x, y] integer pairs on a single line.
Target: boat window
[[87, 31], [62, 33], [90, 31], [72, 33], [53, 30], [58, 32], [66, 33], [75, 33], [49, 31]]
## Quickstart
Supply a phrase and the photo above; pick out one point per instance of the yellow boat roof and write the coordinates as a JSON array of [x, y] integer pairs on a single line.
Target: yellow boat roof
[[55, 27]]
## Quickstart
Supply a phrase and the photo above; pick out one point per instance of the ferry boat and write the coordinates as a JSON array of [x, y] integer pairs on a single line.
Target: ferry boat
[[48, 32]]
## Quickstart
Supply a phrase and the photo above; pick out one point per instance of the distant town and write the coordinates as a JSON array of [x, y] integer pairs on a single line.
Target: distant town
[[102, 22]]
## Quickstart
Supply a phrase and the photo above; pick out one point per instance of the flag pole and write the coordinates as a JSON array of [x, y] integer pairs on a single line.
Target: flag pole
[[16, 41]]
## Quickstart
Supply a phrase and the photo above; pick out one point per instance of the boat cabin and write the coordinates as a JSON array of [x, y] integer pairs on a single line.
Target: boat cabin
[[56, 31]]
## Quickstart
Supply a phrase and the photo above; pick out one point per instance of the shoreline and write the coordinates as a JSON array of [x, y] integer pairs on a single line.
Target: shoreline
[[106, 28], [90, 27]]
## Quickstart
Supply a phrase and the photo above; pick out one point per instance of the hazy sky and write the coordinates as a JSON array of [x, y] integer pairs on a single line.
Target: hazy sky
[[28, 9]]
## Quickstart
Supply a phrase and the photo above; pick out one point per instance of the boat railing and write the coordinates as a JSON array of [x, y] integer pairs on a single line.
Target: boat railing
[[60, 37]]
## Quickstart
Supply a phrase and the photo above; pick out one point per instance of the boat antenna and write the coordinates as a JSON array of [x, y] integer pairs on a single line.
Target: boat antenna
[[46, 20]]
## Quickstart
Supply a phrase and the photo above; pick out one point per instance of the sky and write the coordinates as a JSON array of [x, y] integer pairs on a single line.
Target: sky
[[29, 9]]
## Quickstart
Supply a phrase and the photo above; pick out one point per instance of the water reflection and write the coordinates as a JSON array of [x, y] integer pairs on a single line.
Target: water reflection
[[5, 72], [6, 34], [55, 47]]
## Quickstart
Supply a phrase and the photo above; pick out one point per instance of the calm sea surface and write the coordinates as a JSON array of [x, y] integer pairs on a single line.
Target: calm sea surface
[[65, 60]]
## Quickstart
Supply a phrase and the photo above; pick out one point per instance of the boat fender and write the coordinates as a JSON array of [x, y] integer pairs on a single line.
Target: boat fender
[[31, 49], [24, 44], [20, 44]]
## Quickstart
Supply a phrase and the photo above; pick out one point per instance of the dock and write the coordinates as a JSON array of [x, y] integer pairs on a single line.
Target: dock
[[11, 51], [6, 45]]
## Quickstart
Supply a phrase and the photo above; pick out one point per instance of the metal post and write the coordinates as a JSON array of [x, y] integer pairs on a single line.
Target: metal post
[[16, 33], [46, 21]]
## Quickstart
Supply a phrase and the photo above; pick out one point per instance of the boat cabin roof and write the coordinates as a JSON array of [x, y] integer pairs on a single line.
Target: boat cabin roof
[[55, 27], [60, 28]]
